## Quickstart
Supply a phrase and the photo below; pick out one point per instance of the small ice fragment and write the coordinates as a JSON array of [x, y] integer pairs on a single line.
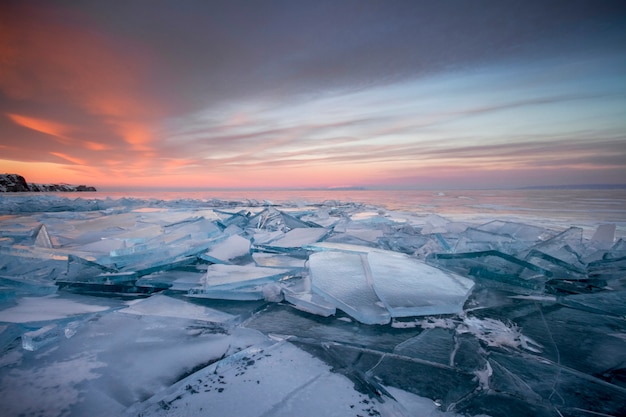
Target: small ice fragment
[[31, 309], [43, 238], [300, 296], [71, 328], [272, 293], [37, 339]]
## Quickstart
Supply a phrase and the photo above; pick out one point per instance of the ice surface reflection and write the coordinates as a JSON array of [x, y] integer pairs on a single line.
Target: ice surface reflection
[[186, 307]]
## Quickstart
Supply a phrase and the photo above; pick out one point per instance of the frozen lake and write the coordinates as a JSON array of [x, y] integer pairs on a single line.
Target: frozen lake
[[335, 303]]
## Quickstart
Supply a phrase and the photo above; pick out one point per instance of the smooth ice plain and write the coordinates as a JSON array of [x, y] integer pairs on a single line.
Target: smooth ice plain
[[135, 307]]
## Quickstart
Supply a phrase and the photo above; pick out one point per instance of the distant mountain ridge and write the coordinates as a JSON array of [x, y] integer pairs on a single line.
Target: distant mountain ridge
[[15, 183], [575, 187]]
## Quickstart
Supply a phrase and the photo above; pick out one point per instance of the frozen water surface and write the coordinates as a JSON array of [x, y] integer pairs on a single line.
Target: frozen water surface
[[251, 308]]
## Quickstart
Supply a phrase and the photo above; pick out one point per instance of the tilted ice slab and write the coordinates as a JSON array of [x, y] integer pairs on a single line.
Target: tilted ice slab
[[232, 247], [409, 287], [296, 238], [344, 279], [374, 285]]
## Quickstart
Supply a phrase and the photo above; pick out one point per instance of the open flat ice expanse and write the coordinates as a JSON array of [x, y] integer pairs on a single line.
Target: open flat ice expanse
[[146, 307]]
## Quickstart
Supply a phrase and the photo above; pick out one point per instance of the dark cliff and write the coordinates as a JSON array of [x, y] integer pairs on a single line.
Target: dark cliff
[[14, 183]]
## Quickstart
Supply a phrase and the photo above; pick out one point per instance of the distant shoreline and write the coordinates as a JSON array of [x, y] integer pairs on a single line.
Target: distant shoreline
[[575, 187]]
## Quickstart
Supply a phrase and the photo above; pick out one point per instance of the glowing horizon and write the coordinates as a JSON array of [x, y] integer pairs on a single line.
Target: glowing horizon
[[231, 102]]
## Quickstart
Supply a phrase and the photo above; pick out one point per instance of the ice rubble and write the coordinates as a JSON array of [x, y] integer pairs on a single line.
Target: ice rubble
[[177, 307]]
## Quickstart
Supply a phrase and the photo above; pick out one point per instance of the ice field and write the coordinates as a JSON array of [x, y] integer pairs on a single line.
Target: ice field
[[145, 307]]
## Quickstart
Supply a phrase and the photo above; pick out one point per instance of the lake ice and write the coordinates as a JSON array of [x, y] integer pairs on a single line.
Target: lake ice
[[137, 307]]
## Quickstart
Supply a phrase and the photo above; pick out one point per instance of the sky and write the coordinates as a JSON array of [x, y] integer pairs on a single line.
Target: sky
[[313, 94]]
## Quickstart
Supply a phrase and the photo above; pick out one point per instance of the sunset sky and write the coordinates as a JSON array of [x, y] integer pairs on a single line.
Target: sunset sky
[[296, 94]]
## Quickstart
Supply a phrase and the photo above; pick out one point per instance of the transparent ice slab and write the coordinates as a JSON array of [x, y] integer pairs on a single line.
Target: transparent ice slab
[[604, 234], [272, 219], [16, 286], [496, 269], [299, 294], [294, 239], [250, 293], [474, 240], [52, 307], [618, 250], [233, 219], [404, 285], [278, 260], [409, 287], [227, 250], [226, 277], [344, 279], [560, 254], [165, 306]]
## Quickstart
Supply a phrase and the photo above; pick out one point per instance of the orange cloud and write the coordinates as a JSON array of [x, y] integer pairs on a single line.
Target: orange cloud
[[55, 129], [94, 146], [69, 158], [135, 134]]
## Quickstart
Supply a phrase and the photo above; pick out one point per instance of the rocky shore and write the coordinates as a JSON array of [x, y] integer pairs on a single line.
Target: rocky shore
[[15, 183]]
